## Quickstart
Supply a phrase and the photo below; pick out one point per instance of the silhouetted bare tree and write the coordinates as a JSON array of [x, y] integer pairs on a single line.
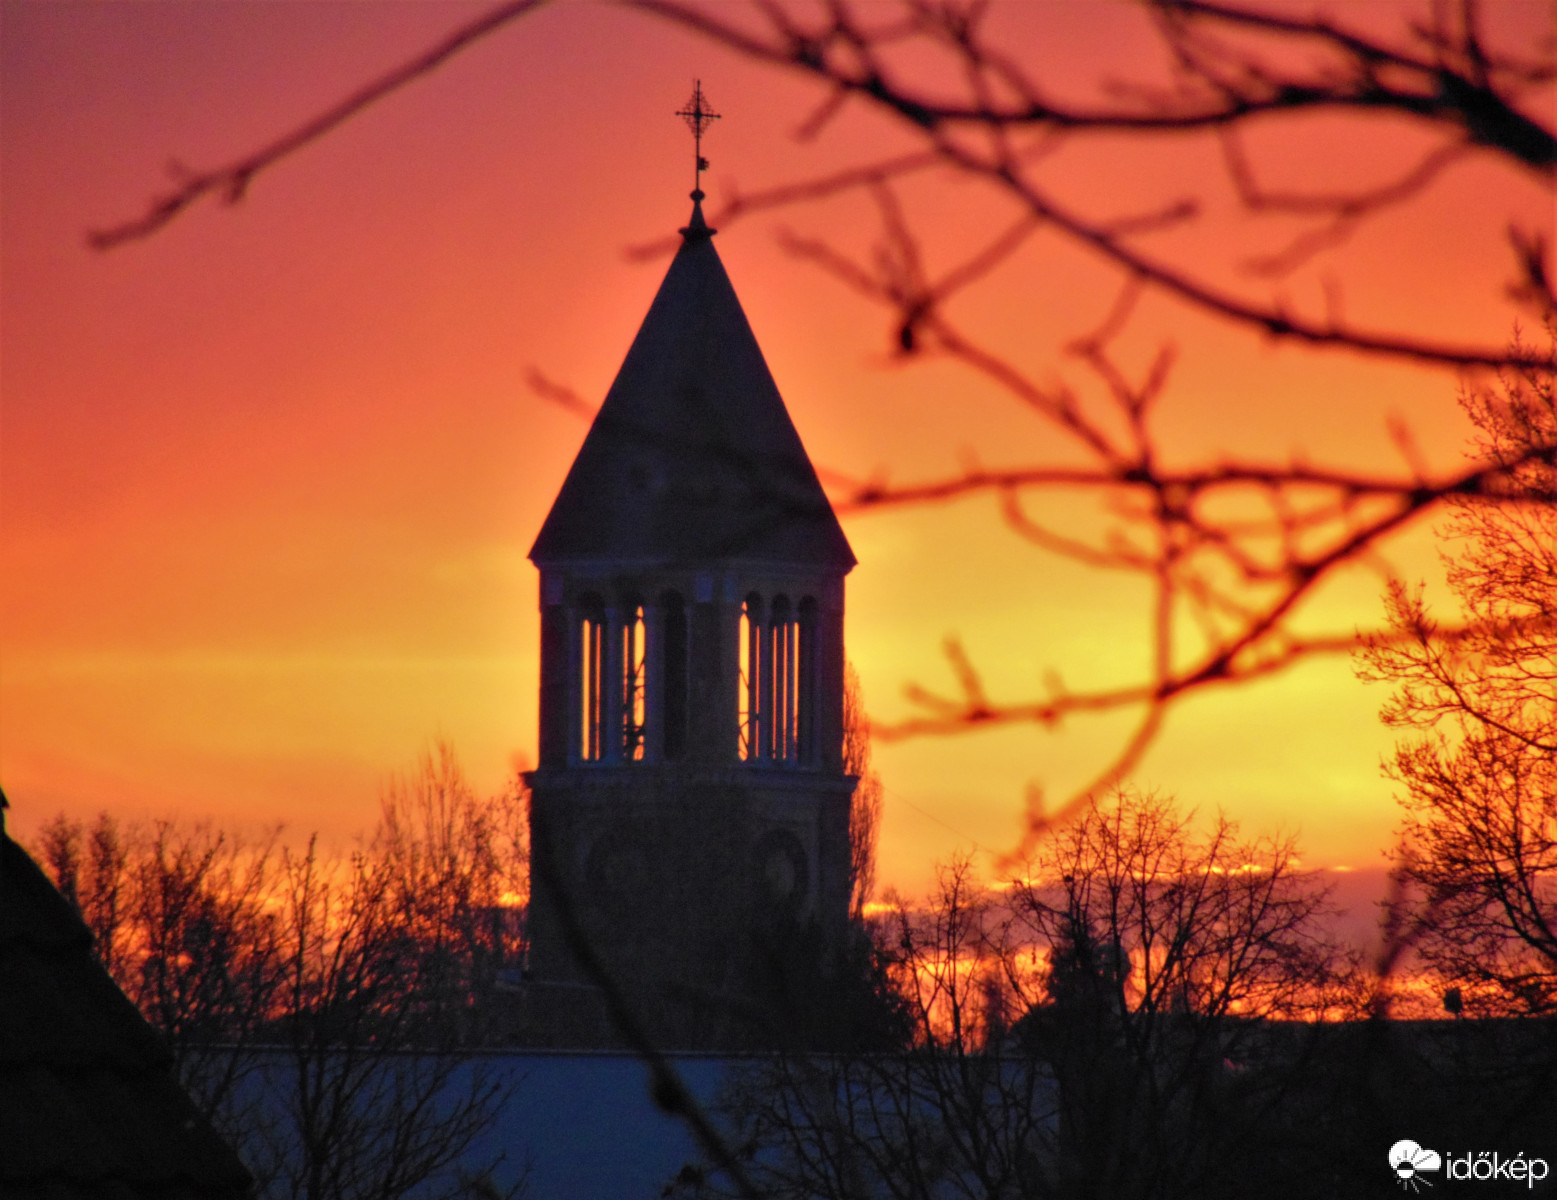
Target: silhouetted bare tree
[[1099, 1027], [1232, 546], [375, 1099], [179, 918], [204, 957], [1480, 779], [1232, 550], [89, 868], [865, 805], [323, 1010], [459, 877]]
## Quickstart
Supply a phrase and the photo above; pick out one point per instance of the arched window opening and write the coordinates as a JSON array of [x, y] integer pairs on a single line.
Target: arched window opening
[[783, 635], [775, 654], [805, 722], [591, 675], [673, 696], [749, 685], [634, 678]]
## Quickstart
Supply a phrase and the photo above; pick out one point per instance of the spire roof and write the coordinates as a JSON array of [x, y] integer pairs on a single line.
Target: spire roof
[[693, 459]]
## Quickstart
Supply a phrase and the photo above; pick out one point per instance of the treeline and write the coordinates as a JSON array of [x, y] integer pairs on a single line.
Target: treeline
[[1146, 1010], [324, 1007]]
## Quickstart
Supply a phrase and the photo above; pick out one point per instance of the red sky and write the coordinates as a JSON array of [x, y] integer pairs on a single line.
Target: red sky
[[269, 478]]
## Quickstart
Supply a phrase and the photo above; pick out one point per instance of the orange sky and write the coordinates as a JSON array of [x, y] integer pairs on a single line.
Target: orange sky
[[269, 478]]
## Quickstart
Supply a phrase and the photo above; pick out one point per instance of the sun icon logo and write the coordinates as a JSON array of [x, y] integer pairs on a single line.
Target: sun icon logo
[[1409, 1161]]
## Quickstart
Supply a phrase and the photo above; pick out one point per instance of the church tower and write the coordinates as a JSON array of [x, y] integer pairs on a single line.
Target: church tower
[[691, 803]]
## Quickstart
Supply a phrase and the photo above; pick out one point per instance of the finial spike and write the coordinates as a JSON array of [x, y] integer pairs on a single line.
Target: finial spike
[[697, 229], [699, 115]]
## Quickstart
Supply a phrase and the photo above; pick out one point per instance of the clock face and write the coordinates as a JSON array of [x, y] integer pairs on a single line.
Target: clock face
[[782, 874]]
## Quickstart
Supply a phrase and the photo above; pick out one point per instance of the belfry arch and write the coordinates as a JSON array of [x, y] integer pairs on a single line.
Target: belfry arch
[[776, 693]]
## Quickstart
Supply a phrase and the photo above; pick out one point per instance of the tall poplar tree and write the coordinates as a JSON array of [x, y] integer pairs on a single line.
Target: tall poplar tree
[[1479, 777]]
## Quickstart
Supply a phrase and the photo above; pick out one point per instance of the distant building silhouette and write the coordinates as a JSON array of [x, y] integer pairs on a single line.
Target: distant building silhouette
[[690, 811], [89, 1106]]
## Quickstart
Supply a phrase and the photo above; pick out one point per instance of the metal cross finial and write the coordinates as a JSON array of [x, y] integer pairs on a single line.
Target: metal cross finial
[[698, 116]]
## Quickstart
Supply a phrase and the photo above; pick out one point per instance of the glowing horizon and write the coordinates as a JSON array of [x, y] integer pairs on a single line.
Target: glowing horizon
[[272, 474]]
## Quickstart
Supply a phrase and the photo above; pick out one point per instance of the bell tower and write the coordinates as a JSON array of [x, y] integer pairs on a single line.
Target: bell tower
[[691, 803]]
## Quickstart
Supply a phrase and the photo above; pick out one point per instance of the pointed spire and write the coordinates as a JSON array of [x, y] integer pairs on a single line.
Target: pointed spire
[[693, 459]]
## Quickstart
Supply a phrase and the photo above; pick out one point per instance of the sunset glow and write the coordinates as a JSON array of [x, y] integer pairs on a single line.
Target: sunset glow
[[270, 476]]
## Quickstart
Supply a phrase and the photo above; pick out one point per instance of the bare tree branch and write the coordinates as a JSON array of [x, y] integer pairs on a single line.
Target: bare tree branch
[[231, 182]]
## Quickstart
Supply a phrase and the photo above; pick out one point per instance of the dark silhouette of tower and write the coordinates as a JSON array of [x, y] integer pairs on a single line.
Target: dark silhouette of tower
[[690, 811]]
